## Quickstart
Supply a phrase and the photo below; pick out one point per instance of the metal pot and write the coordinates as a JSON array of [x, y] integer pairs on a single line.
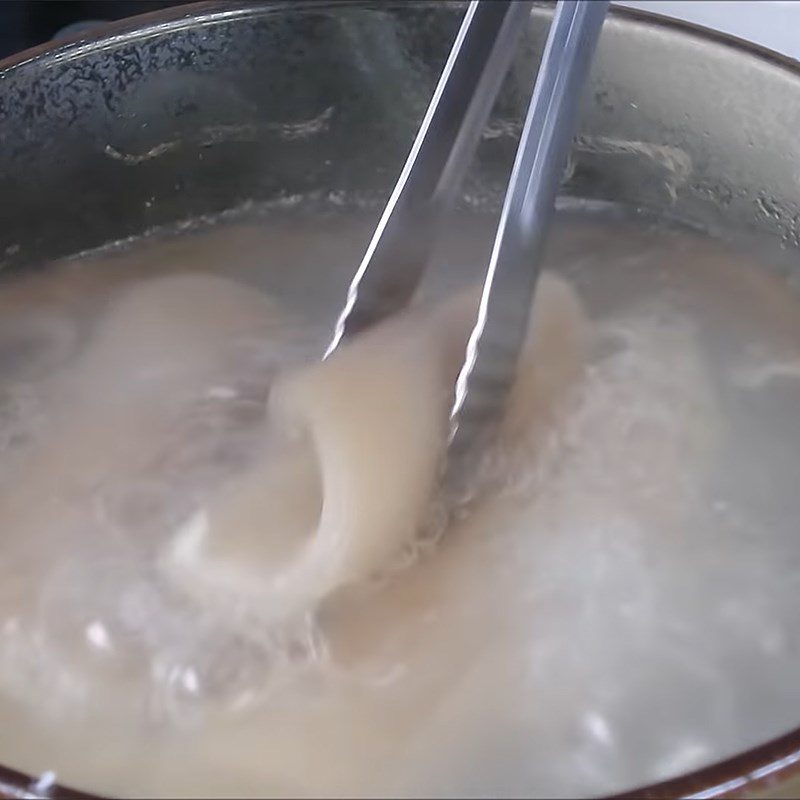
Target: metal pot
[[191, 111]]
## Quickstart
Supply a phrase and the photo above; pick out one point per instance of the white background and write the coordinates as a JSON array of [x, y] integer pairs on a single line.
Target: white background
[[772, 23]]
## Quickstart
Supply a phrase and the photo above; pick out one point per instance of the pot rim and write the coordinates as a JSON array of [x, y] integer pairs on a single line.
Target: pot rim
[[755, 769]]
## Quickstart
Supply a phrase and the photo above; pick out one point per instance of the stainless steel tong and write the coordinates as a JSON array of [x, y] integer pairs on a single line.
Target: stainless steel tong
[[402, 243]]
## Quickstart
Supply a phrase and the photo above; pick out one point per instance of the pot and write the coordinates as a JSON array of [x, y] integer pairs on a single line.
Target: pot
[[207, 107]]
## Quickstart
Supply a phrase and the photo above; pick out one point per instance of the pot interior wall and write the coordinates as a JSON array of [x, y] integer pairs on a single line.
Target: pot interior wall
[[187, 114]]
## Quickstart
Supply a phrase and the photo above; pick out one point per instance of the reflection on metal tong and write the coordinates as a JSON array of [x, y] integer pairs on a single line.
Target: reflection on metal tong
[[494, 345], [445, 144], [443, 149]]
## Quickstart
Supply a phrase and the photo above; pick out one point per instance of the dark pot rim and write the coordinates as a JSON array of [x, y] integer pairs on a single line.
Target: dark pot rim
[[753, 770]]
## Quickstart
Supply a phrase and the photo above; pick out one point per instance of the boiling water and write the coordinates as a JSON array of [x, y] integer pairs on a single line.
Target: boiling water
[[622, 610]]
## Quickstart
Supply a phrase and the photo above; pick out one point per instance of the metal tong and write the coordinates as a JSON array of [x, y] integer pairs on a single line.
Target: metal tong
[[400, 248]]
